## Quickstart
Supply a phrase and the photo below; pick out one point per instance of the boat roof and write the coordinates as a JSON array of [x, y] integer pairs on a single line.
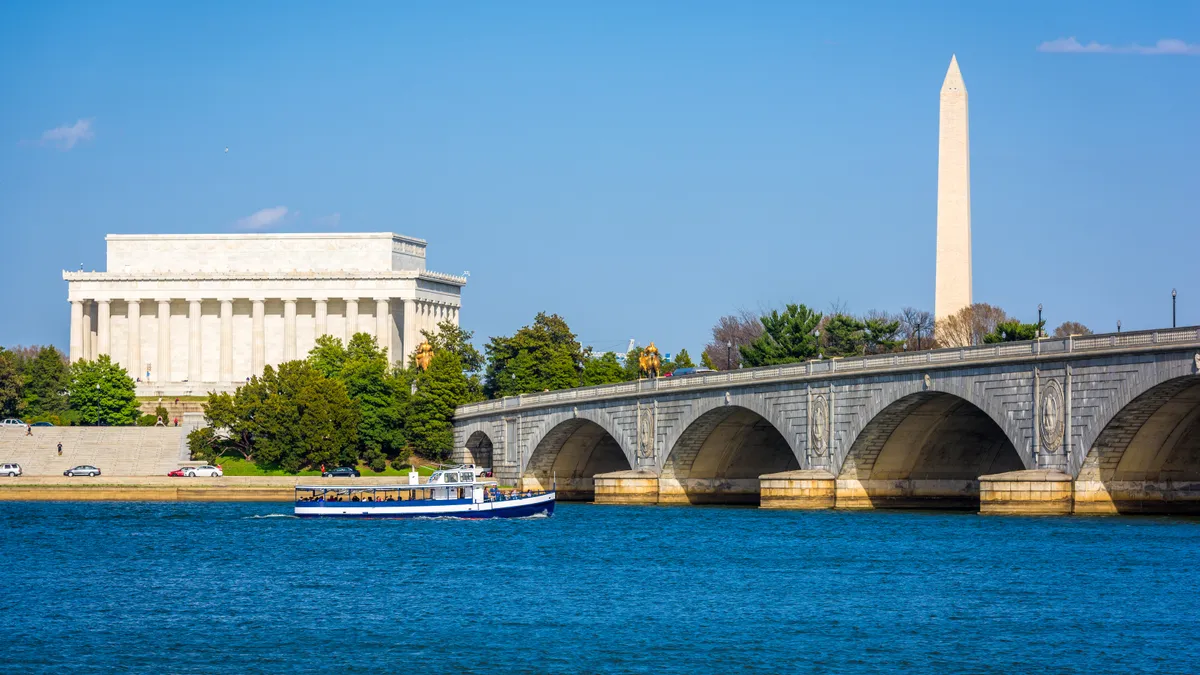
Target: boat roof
[[406, 486]]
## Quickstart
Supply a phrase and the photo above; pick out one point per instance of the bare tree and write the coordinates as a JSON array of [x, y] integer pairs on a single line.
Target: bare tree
[[731, 332], [967, 326], [1069, 328], [917, 328]]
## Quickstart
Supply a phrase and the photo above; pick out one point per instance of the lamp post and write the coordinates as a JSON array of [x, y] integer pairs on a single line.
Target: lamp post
[[1172, 308], [1039, 325], [728, 355]]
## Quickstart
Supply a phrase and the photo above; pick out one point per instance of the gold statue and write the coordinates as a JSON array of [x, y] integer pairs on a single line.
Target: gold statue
[[649, 361], [424, 355]]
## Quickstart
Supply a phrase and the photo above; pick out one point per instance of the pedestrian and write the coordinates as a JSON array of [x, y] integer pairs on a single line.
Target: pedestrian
[[176, 400], [28, 429], [176, 421], [60, 449]]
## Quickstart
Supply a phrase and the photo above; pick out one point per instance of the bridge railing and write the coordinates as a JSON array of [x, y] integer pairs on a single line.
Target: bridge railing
[[873, 363]]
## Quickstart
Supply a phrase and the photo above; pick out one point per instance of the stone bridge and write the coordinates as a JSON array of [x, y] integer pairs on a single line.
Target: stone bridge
[[1096, 424]]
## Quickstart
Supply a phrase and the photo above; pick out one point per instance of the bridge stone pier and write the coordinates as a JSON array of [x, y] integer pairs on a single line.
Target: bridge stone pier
[[1092, 424]]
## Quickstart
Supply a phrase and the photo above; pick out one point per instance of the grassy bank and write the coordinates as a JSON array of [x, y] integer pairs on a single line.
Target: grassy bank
[[236, 466]]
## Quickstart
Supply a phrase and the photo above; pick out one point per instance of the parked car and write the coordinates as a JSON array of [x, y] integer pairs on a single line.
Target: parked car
[[83, 470], [10, 470], [42, 424], [11, 422], [206, 470], [342, 472], [177, 473]]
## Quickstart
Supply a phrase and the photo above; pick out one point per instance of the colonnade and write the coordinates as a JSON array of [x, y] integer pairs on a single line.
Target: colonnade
[[92, 324]]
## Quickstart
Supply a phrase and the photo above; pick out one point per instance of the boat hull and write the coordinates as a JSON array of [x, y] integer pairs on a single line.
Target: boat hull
[[458, 508]]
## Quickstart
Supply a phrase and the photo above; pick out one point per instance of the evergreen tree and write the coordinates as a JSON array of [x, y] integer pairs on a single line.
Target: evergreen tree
[[684, 360], [11, 384], [1014, 331], [102, 393], [603, 369], [291, 417], [882, 335], [380, 394], [439, 390], [46, 381], [844, 335], [542, 356], [706, 361], [786, 338]]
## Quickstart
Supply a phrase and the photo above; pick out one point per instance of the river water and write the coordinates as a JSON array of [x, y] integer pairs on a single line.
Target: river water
[[243, 588]]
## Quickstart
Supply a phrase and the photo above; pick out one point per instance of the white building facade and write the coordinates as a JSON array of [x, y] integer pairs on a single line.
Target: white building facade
[[189, 314]]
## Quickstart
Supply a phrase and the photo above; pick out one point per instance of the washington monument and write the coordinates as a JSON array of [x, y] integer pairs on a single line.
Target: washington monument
[[954, 199]]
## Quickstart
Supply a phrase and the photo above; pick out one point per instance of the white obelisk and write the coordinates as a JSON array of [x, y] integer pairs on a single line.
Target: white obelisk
[[954, 199]]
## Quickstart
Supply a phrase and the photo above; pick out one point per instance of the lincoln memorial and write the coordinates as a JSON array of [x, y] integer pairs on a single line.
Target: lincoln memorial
[[188, 314]]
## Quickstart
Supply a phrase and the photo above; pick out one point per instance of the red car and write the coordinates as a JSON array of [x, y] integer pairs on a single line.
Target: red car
[[177, 473]]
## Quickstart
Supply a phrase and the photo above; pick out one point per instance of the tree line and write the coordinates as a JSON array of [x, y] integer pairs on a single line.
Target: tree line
[[345, 403], [38, 385]]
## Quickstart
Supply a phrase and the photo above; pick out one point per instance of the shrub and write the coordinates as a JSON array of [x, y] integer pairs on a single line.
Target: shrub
[[402, 459], [377, 461], [161, 411], [146, 421]]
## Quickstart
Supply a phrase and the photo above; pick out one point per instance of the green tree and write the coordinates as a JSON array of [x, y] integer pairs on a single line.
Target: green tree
[[379, 393], [844, 335], [291, 417], [882, 335], [706, 361], [11, 384], [603, 369], [787, 337], [439, 390], [450, 337], [633, 363], [684, 360], [1014, 331], [542, 356], [102, 392], [328, 356], [46, 380]]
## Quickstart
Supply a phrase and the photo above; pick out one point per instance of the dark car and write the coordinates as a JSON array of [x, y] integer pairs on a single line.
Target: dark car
[[342, 472], [42, 424], [85, 470]]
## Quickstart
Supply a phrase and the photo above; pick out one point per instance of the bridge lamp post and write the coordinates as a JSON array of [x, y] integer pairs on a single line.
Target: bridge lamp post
[[1172, 308], [1039, 319], [728, 355]]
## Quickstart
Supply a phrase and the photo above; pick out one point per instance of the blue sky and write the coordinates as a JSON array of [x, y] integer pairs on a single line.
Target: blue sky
[[639, 169]]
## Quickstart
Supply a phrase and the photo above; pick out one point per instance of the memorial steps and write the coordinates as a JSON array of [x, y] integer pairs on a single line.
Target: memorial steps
[[117, 451]]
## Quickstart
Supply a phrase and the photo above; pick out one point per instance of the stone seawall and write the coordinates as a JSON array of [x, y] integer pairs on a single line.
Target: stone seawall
[[162, 489]]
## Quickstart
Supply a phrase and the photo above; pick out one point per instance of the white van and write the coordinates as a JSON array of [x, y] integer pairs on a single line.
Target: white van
[[10, 470]]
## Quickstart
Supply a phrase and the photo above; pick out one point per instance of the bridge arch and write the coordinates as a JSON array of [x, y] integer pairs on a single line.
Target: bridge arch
[[927, 447], [718, 454], [1147, 452], [480, 449], [571, 448]]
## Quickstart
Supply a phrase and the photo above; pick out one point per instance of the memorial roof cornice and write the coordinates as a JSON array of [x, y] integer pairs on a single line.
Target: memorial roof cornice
[[265, 276]]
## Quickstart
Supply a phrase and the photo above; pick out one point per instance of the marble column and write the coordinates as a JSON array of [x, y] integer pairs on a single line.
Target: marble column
[[103, 321], [383, 316], [227, 340], [195, 371], [409, 343], [133, 316], [258, 349], [351, 318], [164, 342], [76, 330], [89, 336], [320, 317], [289, 329]]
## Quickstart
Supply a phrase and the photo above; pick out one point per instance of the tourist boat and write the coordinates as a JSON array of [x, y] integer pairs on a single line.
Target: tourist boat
[[459, 492]]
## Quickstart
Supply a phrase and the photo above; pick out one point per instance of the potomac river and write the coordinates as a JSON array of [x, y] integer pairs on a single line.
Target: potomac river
[[245, 588]]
